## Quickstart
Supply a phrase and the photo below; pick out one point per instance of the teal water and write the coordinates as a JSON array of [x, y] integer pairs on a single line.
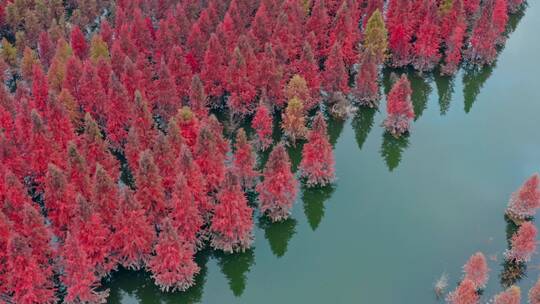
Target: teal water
[[402, 212]]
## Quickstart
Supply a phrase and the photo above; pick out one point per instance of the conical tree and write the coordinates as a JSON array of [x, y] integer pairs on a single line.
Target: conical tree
[[317, 165], [278, 190]]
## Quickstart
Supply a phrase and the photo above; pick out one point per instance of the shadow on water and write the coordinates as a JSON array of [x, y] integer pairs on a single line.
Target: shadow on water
[[512, 272], [420, 93], [278, 234], [138, 286], [473, 81], [445, 89], [392, 148], [235, 267], [335, 127], [362, 123], [295, 154], [314, 199]]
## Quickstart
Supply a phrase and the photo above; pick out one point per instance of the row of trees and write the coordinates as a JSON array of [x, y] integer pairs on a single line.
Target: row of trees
[[522, 242], [110, 156]]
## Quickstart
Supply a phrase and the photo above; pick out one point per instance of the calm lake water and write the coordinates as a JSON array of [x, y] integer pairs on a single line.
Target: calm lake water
[[402, 211]]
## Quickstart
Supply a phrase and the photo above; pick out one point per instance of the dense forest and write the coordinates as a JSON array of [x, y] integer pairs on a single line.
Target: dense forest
[[132, 131]]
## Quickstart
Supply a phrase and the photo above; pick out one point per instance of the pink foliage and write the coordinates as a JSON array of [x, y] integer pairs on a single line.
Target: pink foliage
[[317, 165], [367, 86], [400, 31], [428, 39], [523, 243], [454, 42], [232, 223], [483, 38], [399, 107], [476, 270], [526, 200], [78, 42], [465, 293], [134, 234], [262, 123], [244, 161], [186, 217], [79, 275], [534, 293], [172, 266], [510, 296], [278, 190]]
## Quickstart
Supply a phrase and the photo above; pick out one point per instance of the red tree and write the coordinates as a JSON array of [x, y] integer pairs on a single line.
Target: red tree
[[262, 124], [93, 234], [278, 190], [269, 77], [180, 71], [524, 202], [165, 94], [261, 28], [428, 39], [319, 24], [73, 75], [150, 192], [523, 244], [119, 112], [5, 235], [345, 32], [78, 43], [400, 31], [476, 270], [94, 148], [165, 159], [534, 293], [134, 234], [232, 223], [91, 94], [78, 274], [454, 40], [196, 181], [77, 171], [483, 38], [399, 107], [500, 17], [240, 85], [189, 125], [172, 266], [40, 87], [465, 293], [104, 194], [186, 217], [308, 67], [317, 165], [511, 295], [209, 158], [142, 33], [106, 32], [244, 161], [28, 280], [471, 6], [46, 48], [214, 66], [197, 97], [335, 75], [367, 86]]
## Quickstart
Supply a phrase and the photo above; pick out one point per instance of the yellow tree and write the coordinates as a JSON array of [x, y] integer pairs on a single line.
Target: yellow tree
[[375, 40], [294, 122]]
